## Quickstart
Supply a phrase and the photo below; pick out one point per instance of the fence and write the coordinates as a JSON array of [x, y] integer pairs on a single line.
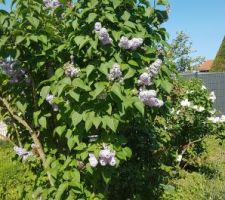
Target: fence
[[214, 81]]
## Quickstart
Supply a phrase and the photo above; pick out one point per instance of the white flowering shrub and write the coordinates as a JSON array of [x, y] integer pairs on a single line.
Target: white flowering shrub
[[84, 83]]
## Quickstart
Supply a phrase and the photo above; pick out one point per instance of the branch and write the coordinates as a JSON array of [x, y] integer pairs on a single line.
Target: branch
[[33, 134]]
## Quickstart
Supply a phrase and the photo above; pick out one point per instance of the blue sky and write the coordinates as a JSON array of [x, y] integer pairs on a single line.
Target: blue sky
[[202, 20]]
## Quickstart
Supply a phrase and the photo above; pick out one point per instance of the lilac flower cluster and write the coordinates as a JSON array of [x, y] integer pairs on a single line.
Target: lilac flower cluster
[[153, 70], [70, 70], [23, 153], [49, 99], [103, 34], [132, 44], [148, 97], [3, 129], [106, 157], [51, 3], [115, 73], [16, 75]]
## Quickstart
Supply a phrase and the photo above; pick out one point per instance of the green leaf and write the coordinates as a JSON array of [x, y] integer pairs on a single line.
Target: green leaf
[[132, 62], [96, 121], [88, 124], [116, 89], [126, 16], [21, 107], [140, 107], [100, 87], [43, 122], [166, 85], [35, 117], [72, 141], [74, 95], [43, 39], [34, 21], [127, 151], [19, 39], [131, 72], [60, 129], [162, 2], [116, 3], [76, 118], [80, 83], [75, 24], [81, 41], [106, 175], [110, 17], [91, 17], [45, 91], [111, 123], [62, 188], [89, 70], [59, 73]]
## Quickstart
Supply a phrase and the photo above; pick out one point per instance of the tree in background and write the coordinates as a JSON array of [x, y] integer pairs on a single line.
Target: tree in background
[[219, 62], [180, 52]]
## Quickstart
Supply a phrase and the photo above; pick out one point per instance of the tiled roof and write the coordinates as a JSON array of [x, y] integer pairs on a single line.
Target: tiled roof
[[206, 66]]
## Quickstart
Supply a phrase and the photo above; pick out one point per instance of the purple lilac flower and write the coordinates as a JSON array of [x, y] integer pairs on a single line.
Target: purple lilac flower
[[132, 44], [98, 26], [104, 36], [148, 97], [144, 79], [93, 160], [15, 75], [49, 99], [115, 73], [106, 157], [51, 3], [154, 68], [70, 70], [23, 153], [124, 43]]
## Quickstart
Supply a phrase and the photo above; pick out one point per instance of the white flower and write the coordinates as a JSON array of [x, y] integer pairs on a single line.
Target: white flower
[[198, 108], [178, 112], [179, 158], [212, 112], [115, 72], [204, 87], [214, 119], [185, 103], [98, 26], [93, 160], [3, 129], [222, 118], [212, 96]]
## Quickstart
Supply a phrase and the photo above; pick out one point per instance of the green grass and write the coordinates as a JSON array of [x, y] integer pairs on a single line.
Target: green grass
[[12, 173], [206, 184]]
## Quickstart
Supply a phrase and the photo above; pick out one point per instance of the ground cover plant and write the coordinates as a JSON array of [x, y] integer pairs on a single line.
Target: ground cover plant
[[91, 102]]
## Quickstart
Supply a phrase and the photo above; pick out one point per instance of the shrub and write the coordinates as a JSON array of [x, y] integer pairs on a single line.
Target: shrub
[[76, 92]]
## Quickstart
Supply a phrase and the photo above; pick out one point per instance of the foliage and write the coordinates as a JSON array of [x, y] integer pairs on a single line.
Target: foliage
[[180, 52], [69, 93], [219, 62], [59, 113], [205, 183], [13, 174]]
